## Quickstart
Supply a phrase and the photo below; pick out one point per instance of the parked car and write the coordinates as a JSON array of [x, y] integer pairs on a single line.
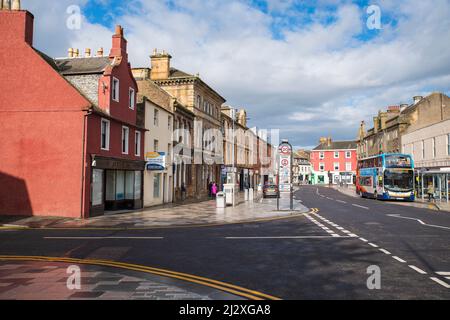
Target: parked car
[[270, 190]]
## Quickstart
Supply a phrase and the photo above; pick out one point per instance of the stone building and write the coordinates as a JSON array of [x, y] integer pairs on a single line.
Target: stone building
[[427, 138], [240, 150], [301, 167], [384, 137], [205, 103]]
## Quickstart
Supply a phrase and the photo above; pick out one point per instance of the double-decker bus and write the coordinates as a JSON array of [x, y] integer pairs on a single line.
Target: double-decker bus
[[386, 177]]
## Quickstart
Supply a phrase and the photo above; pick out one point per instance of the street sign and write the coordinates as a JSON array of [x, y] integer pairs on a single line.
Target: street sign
[[285, 154]]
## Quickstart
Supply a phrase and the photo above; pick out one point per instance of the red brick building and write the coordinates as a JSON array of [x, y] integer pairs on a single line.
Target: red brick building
[[71, 143], [334, 161]]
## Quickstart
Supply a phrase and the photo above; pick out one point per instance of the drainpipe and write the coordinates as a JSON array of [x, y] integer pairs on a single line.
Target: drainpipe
[[83, 214]]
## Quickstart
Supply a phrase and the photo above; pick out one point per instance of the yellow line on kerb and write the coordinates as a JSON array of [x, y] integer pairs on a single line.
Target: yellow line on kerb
[[233, 289], [25, 228]]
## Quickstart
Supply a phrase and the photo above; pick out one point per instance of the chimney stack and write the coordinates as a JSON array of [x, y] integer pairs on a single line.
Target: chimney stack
[[403, 107], [87, 53], [417, 99], [160, 64], [15, 5], [119, 44], [322, 140], [329, 141]]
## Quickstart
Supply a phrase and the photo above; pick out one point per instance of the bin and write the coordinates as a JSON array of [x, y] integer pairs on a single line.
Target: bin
[[220, 200]]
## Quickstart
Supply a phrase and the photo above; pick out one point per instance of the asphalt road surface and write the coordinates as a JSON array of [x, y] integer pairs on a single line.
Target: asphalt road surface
[[321, 255]]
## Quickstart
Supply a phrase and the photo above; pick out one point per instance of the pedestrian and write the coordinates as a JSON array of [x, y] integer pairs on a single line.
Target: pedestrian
[[209, 189], [430, 192], [214, 190], [183, 192]]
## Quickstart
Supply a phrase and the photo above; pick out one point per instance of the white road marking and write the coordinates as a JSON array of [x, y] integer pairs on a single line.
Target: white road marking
[[346, 231], [373, 245], [417, 269], [330, 198], [285, 237], [339, 228], [441, 273], [442, 283], [420, 221], [357, 205], [362, 239], [399, 259], [384, 251], [102, 238], [340, 201]]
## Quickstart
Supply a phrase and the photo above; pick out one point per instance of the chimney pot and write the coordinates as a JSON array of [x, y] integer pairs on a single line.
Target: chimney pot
[[77, 53], [15, 5], [5, 5], [70, 52], [100, 52], [119, 30], [88, 52]]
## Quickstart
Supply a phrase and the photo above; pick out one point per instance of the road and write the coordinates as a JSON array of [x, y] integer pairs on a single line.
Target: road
[[320, 255]]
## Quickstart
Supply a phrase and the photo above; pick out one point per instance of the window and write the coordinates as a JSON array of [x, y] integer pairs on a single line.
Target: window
[[336, 154], [321, 155], [115, 89], [131, 102], [423, 150], [156, 185], [321, 167], [137, 143], [448, 144], [125, 139], [105, 133], [348, 166], [336, 166], [156, 117], [199, 102], [169, 123], [348, 154], [155, 145], [169, 148], [434, 147]]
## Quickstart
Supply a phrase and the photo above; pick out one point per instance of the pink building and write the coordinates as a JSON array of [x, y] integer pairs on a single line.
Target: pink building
[[334, 161], [71, 142]]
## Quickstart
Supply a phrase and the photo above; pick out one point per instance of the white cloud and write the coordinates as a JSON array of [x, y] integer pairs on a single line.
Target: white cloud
[[318, 73]]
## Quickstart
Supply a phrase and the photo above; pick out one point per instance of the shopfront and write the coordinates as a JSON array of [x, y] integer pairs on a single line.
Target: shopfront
[[116, 185]]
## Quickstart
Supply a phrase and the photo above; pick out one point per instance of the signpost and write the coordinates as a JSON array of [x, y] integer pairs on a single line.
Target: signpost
[[286, 155]]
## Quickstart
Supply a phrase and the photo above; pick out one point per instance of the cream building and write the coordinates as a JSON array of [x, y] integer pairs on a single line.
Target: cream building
[[158, 180]]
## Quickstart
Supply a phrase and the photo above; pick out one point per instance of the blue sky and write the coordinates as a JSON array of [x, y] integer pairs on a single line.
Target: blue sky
[[309, 68]]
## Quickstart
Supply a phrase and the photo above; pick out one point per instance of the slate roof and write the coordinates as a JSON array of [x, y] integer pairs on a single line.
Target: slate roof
[[337, 145], [73, 66]]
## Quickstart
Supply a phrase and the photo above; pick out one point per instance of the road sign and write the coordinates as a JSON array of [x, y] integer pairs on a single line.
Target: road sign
[[285, 154]]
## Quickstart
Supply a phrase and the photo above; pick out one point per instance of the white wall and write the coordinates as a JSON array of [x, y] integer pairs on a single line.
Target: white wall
[[412, 144]]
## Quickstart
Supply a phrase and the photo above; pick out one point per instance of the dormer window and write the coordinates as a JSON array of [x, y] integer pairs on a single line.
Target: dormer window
[[132, 99], [115, 89]]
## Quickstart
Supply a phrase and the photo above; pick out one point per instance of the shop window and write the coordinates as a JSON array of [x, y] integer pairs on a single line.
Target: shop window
[[120, 185], [129, 185], [110, 185], [137, 184], [97, 187]]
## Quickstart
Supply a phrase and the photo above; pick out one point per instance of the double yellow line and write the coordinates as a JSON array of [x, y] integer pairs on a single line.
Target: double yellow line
[[226, 287]]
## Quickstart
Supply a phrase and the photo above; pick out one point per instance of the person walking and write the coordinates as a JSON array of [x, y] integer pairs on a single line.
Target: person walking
[[214, 190], [430, 192]]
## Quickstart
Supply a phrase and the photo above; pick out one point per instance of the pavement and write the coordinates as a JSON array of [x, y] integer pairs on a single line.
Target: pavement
[[419, 203], [28, 280], [325, 253], [190, 214]]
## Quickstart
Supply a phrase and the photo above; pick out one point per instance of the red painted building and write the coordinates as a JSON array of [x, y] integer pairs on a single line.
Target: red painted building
[[71, 143], [334, 161]]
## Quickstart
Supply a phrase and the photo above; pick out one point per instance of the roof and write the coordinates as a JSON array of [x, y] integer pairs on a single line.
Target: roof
[[175, 73], [91, 65], [337, 145]]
